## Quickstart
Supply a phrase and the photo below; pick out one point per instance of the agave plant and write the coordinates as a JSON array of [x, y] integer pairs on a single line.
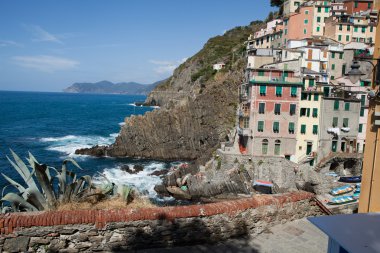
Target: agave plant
[[42, 191]]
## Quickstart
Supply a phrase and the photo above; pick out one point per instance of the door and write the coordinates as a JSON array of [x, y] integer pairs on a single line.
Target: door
[[334, 146], [309, 148]]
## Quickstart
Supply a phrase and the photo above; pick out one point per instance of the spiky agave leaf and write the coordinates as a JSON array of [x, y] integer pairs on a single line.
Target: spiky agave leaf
[[22, 169], [18, 186], [124, 191], [18, 201], [45, 184]]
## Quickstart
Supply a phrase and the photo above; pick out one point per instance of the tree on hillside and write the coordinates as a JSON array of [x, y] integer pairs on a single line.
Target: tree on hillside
[[276, 3]]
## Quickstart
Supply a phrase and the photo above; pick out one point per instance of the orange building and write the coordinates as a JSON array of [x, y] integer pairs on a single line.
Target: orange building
[[358, 5], [299, 25]]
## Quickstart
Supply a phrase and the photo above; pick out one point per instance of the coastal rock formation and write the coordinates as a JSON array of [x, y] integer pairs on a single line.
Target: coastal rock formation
[[198, 106]]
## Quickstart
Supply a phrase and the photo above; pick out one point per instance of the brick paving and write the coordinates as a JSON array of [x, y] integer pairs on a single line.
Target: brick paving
[[298, 236]]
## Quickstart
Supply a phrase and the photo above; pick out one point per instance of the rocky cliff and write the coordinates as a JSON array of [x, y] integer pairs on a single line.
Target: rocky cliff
[[198, 106]]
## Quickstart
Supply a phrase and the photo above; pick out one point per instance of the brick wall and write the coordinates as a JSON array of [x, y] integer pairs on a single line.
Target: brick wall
[[127, 229]]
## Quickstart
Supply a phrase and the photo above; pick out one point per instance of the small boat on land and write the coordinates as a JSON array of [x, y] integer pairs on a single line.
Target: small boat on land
[[262, 186], [342, 200], [341, 190], [350, 179]]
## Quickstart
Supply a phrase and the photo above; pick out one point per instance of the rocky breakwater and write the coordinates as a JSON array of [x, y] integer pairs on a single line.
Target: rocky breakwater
[[198, 106]]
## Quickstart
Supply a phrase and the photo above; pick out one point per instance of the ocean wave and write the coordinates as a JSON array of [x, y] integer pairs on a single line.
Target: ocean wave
[[68, 144], [142, 181], [121, 123]]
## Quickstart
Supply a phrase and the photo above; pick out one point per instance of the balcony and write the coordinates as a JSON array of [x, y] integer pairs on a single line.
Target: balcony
[[244, 131], [279, 80]]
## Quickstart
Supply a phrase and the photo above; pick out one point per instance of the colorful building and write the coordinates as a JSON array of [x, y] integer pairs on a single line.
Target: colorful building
[[354, 6]]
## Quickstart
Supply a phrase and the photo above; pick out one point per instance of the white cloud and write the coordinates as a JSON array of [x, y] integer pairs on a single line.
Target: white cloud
[[166, 67], [41, 35], [6, 43], [45, 63]]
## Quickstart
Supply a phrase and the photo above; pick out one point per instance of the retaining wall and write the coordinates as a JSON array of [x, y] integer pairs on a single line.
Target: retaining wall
[[128, 229]]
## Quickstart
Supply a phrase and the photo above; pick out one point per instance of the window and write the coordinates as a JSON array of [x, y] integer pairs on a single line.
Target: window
[[362, 100], [318, 28], [304, 31], [318, 19], [261, 73], [315, 129], [292, 109], [343, 69], [308, 112], [319, 9], [333, 66], [340, 27], [363, 29], [332, 77], [362, 112], [293, 91], [303, 96], [339, 37], [336, 105], [276, 127], [286, 32], [333, 55], [355, 29], [316, 97], [261, 108], [334, 146], [311, 83], [371, 28], [263, 90], [277, 109], [348, 28], [264, 147], [326, 9], [335, 122], [360, 128], [303, 129], [277, 147], [278, 91], [345, 122], [260, 126], [315, 112], [306, 12], [356, 4], [346, 106], [347, 37], [306, 21], [291, 127], [303, 112], [369, 5]]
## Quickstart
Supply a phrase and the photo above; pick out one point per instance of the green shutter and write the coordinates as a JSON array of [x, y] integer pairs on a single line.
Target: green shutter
[[261, 73], [332, 66], [308, 112], [276, 127], [315, 129], [291, 127], [326, 91], [316, 97], [315, 112], [311, 82], [336, 105], [278, 90], [360, 128], [293, 91], [326, 9], [260, 126], [347, 106], [339, 37], [345, 122], [362, 112], [347, 37], [318, 19], [333, 55], [277, 109], [319, 9], [362, 100], [263, 89], [355, 29], [292, 110], [303, 129], [335, 122], [303, 96], [265, 148]]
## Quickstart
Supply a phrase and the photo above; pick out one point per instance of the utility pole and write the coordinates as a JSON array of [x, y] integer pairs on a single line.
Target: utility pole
[[370, 189]]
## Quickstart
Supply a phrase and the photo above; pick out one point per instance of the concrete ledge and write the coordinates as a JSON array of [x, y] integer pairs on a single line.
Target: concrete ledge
[[100, 218]]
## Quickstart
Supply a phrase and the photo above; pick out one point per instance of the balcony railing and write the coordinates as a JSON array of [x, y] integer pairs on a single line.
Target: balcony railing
[[276, 79]]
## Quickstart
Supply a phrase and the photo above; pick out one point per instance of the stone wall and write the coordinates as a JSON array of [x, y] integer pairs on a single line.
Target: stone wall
[[128, 229]]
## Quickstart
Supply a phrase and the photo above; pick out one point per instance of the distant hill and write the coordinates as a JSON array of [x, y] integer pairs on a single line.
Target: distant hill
[[106, 87]]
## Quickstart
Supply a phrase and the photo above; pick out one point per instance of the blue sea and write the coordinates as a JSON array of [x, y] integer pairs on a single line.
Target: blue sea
[[53, 125]]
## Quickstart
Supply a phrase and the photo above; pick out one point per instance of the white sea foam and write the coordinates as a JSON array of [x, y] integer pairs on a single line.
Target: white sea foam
[[142, 181], [68, 144], [121, 123]]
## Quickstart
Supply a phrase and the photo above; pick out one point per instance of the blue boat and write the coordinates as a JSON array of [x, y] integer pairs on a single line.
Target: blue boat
[[341, 190], [350, 179], [342, 200]]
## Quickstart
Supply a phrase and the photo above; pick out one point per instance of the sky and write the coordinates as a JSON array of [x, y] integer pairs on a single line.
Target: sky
[[46, 45]]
